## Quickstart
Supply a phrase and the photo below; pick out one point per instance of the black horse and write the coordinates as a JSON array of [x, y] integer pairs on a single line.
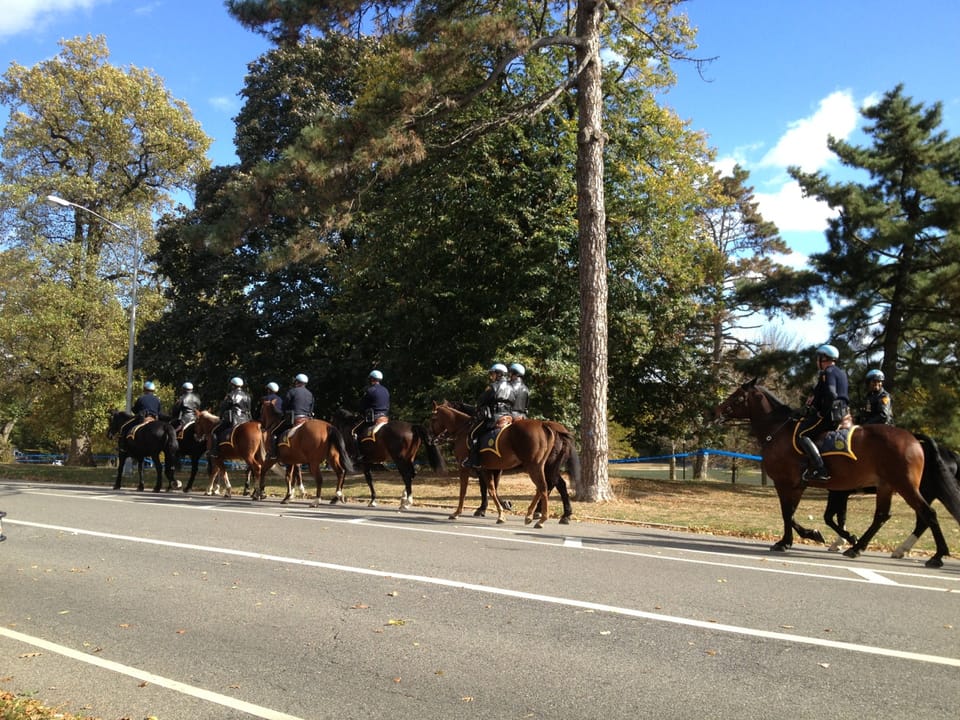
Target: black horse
[[938, 462], [144, 440], [398, 441]]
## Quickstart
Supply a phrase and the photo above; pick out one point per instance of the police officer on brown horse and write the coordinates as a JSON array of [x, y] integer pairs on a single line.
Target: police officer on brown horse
[[297, 407], [234, 410], [374, 403], [495, 402], [521, 393], [826, 409]]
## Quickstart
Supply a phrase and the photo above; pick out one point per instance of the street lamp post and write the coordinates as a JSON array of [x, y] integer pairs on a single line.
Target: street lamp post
[[55, 200]]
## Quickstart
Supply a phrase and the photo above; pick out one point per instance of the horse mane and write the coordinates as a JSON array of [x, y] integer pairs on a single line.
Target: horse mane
[[341, 413], [776, 403], [460, 406]]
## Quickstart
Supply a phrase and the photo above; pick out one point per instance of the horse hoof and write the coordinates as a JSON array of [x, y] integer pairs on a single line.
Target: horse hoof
[[373, 503], [779, 547], [527, 520], [500, 521], [285, 500], [934, 562], [117, 486], [538, 525], [898, 554], [565, 520], [851, 552], [507, 505], [479, 513]]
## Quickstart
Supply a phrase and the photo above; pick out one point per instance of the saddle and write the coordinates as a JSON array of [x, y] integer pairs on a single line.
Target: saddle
[[284, 439], [370, 432], [136, 426], [181, 433], [832, 442], [489, 441]]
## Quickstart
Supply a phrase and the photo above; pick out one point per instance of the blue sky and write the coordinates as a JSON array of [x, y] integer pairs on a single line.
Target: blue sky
[[787, 73]]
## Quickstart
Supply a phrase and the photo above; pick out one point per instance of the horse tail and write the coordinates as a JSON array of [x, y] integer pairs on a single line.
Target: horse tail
[[172, 447], [938, 481], [433, 452], [573, 461], [336, 437], [563, 455]]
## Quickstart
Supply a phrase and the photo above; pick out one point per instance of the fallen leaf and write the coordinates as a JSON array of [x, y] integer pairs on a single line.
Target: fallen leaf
[[392, 593], [181, 632], [124, 625], [396, 622], [143, 684], [787, 627], [233, 687], [604, 632], [396, 679], [360, 606], [948, 627], [710, 652], [30, 655], [467, 698], [824, 665], [64, 612]]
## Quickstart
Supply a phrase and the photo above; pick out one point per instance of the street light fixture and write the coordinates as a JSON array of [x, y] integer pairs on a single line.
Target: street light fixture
[[55, 200]]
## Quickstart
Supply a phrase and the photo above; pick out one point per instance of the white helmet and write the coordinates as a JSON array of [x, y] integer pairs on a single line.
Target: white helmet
[[188, 386], [875, 375], [301, 378], [273, 387], [517, 369], [498, 368], [236, 382], [375, 375], [828, 351], [148, 385]]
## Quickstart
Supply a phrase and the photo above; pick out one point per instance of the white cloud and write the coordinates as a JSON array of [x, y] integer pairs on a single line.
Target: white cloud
[[791, 211], [805, 143], [224, 104], [17, 16]]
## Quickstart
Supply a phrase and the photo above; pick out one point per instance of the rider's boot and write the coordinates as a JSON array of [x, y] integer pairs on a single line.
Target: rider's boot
[[473, 459], [816, 470]]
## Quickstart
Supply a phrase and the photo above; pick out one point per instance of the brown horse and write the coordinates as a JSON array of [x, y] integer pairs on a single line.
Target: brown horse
[[312, 443], [396, 441], [524, 443], [245, 444], [885, 457], [563, 455]]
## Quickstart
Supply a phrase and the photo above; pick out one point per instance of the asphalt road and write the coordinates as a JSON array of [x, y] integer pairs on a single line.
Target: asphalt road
[[135, 605]]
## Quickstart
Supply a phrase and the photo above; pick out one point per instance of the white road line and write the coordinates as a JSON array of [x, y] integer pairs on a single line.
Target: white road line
[[873, 576], [535, 597], [199, 693], [512, 535], [573, 542]]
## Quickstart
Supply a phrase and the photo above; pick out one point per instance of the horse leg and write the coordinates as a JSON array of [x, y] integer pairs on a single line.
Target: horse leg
[[789, 499], [492, 490], [539, 501], [140, 475], [338, 470], [121, 461], [880, 515], [464, 479], [481, 511], [835, 516], [407, 473], [288, 476], [565, 499], [227, 489], [368, 476], [156, 463]]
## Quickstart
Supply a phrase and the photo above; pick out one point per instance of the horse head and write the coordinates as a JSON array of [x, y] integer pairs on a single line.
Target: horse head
[[737, 406], [117, 420]]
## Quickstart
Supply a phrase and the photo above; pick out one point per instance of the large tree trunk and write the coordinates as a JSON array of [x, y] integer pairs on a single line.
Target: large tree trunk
[[81, 452], [591, 216]]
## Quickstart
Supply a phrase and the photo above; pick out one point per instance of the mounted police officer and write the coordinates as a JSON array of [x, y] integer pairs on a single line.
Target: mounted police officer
[[495, 402], [147, 406], [879, 407], [374, 403], [297, 407], [521, 393], [271, 398], [186, 407], [234, 410], [826, 409]]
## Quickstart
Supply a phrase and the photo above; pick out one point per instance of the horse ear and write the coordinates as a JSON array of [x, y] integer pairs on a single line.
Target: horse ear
[[751, 383]]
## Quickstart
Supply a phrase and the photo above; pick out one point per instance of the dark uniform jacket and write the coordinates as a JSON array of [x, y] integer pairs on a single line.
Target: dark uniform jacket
[[521, 397], [235, 408], [375, 402], [879, 408], [298, 402], [186, 407], [831, 397], [496, 400], [147, 404]]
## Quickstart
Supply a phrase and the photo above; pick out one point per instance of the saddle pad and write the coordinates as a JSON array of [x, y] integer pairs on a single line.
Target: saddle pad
[[490, 441], [285, 440], [370, 433], [838, 442]]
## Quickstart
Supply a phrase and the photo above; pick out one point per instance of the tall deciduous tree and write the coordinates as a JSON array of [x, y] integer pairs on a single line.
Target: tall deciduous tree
[[440, 61], [114, 141], [893, 253]]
